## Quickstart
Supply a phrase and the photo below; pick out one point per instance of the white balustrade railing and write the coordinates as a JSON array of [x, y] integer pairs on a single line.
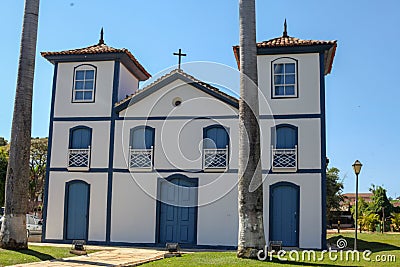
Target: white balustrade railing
[[79, 159], [140, 159], [284, 159], [215, 158]]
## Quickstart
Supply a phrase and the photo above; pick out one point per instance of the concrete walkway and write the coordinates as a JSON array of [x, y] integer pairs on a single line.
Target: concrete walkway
[[109, 256]]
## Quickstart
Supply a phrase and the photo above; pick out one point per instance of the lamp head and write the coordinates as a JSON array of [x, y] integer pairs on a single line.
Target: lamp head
[[357, 167]]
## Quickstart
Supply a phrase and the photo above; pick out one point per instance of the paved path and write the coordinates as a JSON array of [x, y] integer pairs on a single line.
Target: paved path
[[111, 256]]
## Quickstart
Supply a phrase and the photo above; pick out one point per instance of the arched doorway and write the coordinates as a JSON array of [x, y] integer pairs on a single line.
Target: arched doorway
[[284, 213], [177, 210], [76, 221]]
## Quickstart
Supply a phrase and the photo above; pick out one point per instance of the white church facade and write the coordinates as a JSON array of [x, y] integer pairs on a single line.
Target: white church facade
[[130, 166]]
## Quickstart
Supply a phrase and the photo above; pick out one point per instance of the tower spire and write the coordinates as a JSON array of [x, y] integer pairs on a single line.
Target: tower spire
[[285, 29], [101, 41]]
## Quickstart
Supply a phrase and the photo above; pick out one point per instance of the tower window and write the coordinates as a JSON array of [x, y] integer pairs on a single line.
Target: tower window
[[284, 78], [84, 84]]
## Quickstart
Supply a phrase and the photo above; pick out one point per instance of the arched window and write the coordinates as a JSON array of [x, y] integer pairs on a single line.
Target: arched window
[[141, 148], [284, 147], [286, 136], [216, 148], [216, 136], [80, 139], [284, 77], [84, 83], [141, 137]]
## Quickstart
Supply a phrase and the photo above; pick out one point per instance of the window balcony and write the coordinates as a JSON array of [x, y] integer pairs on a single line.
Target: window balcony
[[215, 159], [284, 160], [141, 159], [78, 159]]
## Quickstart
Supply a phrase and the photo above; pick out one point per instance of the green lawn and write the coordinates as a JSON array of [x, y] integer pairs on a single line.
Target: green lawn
[[33, 254], [379, 244]]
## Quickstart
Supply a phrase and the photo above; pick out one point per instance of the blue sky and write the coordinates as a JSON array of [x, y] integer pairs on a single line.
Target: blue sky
[[362, 91]]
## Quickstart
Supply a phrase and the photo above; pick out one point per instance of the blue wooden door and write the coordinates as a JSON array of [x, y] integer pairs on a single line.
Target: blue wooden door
[[216, 137], [77, 213], [286, 138], [284, 214], [178, 212], [80, 138]]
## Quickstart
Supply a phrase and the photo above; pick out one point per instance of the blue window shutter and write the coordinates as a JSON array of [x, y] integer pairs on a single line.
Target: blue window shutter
[[141, 138], [80, 138], [216, 137], [286, 137]]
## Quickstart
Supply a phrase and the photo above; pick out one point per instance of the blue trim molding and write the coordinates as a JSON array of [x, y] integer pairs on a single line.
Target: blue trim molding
[[114, 116], [120, 170], [79, 119], [164, 118], [49, 147], [323, 149]]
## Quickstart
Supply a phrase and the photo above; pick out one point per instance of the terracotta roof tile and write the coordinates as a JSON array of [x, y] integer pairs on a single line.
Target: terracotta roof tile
[[181, 72], [98, 49], [285, 41], [288, 41]]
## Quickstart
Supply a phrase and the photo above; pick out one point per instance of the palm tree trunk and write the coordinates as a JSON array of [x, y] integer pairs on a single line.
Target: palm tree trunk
[[250, 199], [13, 229]]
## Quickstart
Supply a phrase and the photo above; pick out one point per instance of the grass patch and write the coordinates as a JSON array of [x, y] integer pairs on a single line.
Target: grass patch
[[34, 254], [380, 245]]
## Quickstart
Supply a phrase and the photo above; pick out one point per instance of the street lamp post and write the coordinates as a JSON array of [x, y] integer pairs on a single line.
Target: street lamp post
[[357, 168]]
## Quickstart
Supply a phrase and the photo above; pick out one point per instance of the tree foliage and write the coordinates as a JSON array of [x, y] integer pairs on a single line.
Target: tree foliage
[[380, 200], [396, 221], [334, 189], [368, 221], [37, 170], [363, 208], [3, 142], [3, 173], [37, 166]]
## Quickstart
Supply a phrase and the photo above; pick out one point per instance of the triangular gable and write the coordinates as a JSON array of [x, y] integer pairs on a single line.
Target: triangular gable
[[169, 78]]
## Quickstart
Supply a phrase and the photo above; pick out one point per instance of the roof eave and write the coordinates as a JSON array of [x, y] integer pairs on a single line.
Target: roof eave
[[328, 49], [330, 56], [132, 66]]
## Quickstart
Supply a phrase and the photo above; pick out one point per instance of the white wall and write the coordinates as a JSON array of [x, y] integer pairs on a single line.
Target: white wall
[[178, 141], [195, 103], [310, 221], [133, 208], [99, 148], [128, 83], [97, 209], [218, 220], [64, 107], [308, 100]]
